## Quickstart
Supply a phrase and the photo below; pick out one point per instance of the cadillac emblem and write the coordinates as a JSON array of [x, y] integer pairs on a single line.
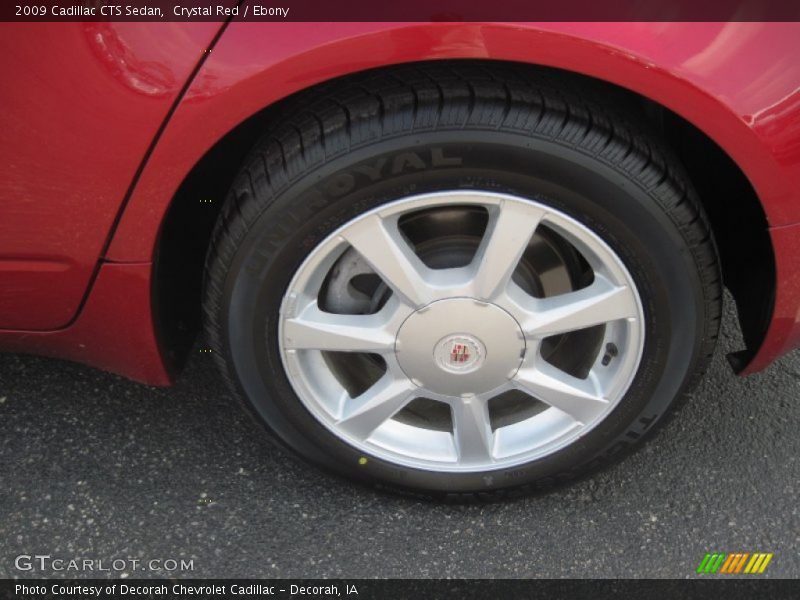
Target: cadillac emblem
[[460, 353]]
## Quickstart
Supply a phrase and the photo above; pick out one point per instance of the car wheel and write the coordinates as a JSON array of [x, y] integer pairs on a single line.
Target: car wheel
[[458, 280]]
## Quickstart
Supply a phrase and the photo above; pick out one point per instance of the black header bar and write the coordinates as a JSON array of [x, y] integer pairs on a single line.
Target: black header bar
[[399, 10]]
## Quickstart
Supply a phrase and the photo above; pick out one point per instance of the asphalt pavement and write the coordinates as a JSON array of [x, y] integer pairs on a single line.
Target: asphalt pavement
[[96, 467]]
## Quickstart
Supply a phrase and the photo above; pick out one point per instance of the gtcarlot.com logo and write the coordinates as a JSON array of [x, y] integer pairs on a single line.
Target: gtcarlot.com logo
[[46, 562], [735, 563]]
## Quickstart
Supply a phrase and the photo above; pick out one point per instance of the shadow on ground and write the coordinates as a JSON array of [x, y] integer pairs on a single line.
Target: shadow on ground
[[94, 466]]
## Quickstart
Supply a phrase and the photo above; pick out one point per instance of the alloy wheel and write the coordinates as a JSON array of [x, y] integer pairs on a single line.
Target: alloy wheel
[[470, 366]]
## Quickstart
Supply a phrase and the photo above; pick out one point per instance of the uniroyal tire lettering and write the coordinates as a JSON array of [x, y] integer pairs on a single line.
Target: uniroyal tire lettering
[[405, 162]]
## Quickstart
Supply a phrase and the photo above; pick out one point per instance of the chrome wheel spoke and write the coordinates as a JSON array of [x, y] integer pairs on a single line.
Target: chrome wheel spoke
[[318, 330], [472, 431], [579, 398], [507, 235], [364, 414], [380, 242], [601, 302]]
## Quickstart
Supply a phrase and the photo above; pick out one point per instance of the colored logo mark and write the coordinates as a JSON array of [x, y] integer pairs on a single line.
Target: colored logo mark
[[735, 563], [459, 353]]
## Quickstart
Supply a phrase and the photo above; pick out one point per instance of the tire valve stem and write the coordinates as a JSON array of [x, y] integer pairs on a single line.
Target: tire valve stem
[[611, 352]]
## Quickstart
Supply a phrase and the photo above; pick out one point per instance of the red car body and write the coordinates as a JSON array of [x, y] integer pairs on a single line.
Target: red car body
[[103, 123]]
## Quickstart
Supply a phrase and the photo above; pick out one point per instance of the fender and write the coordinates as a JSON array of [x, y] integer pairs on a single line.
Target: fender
[[733, 81]]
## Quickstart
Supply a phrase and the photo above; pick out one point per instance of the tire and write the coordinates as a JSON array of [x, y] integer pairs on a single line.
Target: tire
[[442, 134]]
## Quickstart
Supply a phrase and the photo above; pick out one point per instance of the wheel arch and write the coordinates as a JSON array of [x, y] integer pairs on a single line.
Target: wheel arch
[[177, 199]]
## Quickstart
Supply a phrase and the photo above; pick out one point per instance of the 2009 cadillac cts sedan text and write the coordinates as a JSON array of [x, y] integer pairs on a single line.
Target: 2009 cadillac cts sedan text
[[451, 259]]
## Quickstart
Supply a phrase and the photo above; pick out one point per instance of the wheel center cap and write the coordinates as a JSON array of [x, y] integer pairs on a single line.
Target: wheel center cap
[[460, 346], [460, 353]]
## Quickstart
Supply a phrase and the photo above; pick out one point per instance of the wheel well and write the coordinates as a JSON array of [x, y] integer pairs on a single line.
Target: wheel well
[[739, 225], [732, 205]]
